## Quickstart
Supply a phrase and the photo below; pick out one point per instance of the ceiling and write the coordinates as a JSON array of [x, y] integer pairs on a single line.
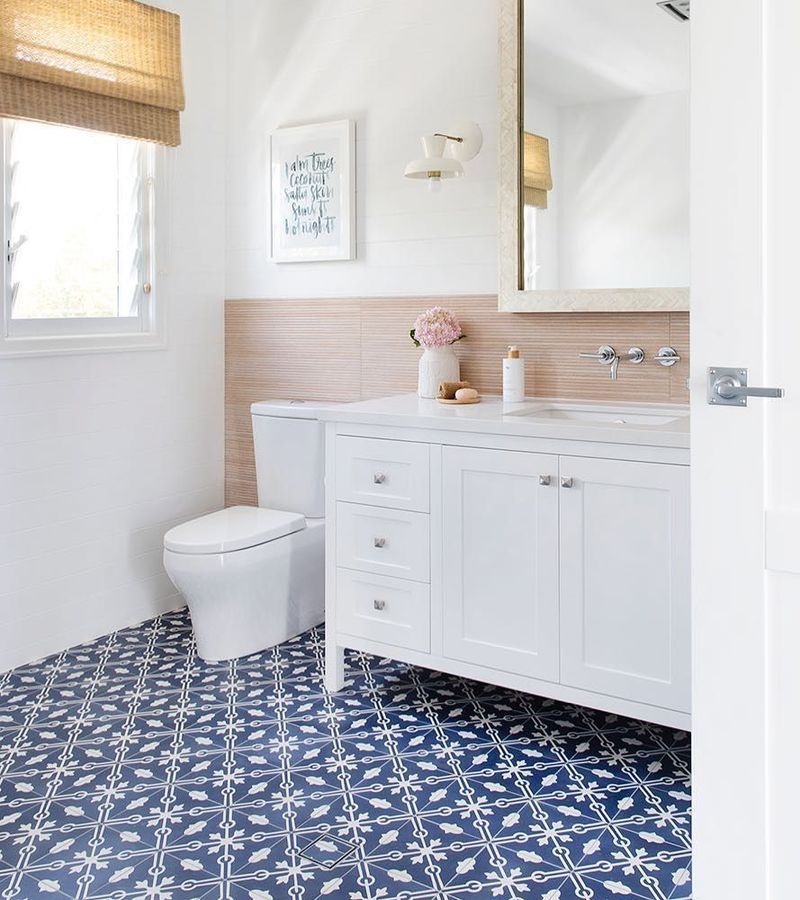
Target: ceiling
[[590, 51]]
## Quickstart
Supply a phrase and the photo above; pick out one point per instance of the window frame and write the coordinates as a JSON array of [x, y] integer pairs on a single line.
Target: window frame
[[75, 334]]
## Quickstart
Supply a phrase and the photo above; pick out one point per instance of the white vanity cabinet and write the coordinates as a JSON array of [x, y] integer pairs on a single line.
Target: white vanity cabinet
[[559, 567]]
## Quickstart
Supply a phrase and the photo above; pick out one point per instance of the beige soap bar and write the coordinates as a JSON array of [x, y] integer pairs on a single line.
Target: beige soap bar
[[447, 389], [466, 393]]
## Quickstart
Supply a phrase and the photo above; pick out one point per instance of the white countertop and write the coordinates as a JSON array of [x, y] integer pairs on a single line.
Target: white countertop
[[492, 416]]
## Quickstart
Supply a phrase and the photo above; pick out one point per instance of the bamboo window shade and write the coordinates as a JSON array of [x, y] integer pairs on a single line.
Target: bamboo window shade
[[105, 65], [537, 179]]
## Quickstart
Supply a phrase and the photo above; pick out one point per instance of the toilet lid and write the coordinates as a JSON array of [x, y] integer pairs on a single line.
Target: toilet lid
[[235, 528]]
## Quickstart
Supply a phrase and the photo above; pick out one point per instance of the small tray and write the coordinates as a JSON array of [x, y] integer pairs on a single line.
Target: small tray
[[459, 402]]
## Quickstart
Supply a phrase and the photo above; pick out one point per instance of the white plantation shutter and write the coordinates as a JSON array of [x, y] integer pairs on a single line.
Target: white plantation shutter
[[134, 212]]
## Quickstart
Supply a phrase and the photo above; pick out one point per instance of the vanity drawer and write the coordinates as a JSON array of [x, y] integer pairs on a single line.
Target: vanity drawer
[[383, 473], [390, 542], [388, 610]]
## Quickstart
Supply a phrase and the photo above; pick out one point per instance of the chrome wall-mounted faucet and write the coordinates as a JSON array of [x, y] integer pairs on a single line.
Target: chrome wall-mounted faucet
[[608, 356]]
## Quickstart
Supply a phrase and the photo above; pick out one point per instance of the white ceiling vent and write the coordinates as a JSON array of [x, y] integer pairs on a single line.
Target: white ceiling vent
[[677, 8]]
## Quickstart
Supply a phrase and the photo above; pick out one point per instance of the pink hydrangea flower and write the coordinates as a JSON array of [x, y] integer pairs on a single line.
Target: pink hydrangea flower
[[436, 327]]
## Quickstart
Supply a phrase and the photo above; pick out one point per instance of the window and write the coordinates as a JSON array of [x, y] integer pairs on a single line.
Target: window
[[530, 263], [78, 238]]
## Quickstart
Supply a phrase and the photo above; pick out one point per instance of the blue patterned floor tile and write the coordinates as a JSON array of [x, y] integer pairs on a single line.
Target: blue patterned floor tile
[[302, 879], [25, 886], [129, 768], [681, 879]]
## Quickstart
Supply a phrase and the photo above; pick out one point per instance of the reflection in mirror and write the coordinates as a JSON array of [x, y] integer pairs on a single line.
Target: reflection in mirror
[[605, 145]]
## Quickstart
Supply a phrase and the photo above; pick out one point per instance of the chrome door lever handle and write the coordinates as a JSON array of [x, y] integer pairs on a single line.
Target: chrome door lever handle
[[728, 387]]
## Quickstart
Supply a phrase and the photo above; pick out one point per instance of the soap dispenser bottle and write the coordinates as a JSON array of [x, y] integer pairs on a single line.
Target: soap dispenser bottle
[[513, 377]]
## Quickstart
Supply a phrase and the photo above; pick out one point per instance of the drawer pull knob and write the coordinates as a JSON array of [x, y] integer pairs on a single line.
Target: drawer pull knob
[[379, 604], [378, 478], [379, 543], [567, 482], [544, 480]]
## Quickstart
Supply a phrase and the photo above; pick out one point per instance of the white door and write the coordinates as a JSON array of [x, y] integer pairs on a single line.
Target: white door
[[625, 604], [746, 475], [500, 559]]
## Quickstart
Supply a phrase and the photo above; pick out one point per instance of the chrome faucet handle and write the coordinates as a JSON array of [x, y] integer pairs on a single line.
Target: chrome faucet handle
[[635, 355], [666, 357], [606, 356]]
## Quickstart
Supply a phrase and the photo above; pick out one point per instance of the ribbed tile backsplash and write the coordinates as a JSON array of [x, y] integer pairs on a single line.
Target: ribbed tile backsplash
[[332, 349]]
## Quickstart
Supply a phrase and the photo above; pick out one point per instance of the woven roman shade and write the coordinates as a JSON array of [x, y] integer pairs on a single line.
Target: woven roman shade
[[107, 65], [537, 178]]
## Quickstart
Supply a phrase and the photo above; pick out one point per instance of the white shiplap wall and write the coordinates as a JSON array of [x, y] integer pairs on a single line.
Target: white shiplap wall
[[99, 454], [400, 68]]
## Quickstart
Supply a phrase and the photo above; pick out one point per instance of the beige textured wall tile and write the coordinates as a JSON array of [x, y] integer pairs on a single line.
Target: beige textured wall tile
[[282, 349], [357, 349], [679, 340]]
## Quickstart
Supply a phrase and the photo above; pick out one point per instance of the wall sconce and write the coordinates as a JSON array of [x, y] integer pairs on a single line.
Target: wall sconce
[[445, 153]]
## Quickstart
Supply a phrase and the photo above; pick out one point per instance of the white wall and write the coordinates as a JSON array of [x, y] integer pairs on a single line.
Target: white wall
[[623, 193], [400, 68], [99, 454]]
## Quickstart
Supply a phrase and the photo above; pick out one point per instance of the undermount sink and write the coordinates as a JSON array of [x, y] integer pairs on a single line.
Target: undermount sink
[[567, 413]]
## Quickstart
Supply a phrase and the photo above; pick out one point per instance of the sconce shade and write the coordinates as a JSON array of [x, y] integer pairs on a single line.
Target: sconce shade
[[434, 164], [537, 178], [441, 166]]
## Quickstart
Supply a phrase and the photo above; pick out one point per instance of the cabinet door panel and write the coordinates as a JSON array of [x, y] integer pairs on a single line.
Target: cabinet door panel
[[500, 560], [625, 607]]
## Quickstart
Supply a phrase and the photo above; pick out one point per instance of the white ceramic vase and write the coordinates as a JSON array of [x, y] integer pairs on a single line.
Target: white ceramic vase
[[437, 364]]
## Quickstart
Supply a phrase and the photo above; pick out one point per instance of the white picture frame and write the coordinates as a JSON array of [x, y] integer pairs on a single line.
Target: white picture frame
[[313, 193]]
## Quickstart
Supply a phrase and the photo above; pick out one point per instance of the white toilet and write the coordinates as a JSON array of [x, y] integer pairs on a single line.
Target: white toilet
[[253, 577]]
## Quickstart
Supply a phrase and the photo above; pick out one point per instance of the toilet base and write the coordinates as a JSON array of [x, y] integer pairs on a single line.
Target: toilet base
[[246, 601]]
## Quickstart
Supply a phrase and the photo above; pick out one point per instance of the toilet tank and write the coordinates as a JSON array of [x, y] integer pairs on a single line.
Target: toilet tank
[[290, 455]]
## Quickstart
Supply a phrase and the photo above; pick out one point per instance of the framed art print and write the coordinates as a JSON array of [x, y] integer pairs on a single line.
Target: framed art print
[[313, 192]]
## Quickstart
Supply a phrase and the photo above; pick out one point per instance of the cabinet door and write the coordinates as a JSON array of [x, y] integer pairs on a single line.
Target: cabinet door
[[625, 613], [500, 560]]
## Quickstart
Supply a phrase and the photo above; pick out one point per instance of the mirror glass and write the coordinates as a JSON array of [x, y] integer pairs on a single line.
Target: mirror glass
[[605, 145]]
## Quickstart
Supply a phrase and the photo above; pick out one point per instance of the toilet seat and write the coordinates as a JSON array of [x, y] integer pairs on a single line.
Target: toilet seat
[[234, 528]]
